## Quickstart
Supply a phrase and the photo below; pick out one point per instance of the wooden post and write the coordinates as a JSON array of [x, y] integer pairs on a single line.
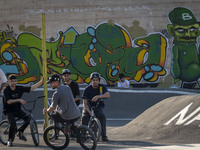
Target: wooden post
[[44, 58]]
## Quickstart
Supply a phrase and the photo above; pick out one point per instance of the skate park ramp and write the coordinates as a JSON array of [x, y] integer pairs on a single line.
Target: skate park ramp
[[174, 120]]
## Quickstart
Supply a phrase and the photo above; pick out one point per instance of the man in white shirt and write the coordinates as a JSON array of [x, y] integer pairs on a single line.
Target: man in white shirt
[[122, 81], [3, 83]]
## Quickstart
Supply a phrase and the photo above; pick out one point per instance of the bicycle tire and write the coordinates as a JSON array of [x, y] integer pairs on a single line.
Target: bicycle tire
[[95, 126], [86, 138], [50, 123], [55, 137], [4, 131], [34, 132]]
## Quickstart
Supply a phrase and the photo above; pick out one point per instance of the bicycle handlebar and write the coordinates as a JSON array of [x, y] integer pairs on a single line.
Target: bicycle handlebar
[[34, 101]]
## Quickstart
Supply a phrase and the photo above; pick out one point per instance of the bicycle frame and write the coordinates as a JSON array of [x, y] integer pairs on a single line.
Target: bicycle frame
[[57, 136], [94, 124], [4, 125]]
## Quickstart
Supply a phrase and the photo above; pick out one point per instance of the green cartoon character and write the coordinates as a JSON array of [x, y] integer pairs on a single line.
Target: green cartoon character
[[185, 65]]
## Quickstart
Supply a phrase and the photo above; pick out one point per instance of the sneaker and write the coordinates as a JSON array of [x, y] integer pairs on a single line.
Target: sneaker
[[105, 139], [9, 144], [21, 136]]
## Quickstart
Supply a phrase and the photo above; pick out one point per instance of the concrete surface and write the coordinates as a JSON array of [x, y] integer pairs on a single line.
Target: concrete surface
[[113, 145], [173, 147]]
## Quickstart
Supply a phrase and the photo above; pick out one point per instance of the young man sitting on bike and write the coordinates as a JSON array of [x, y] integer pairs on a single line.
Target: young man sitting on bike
[[95, 92], [63, 98], [12, 106]]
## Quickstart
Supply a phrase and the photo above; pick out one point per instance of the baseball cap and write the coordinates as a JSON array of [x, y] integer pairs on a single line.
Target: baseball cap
[[54, 77], [66, 71], [12, 77], [182, 16]]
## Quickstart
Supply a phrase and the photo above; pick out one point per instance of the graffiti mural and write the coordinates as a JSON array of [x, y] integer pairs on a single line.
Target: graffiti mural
[[106, 48], [185, 65]]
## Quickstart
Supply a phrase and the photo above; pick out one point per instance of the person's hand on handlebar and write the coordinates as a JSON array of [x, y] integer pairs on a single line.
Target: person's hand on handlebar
[[22, 101], [44, 110], [47, 110]]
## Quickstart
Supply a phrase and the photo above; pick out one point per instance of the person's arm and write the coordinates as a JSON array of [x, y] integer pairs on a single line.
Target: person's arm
[[3, 86], [127, 82], [53, 105], [9, 100], [77, 92], [37, 84], [3, 80], [47, 110], [105, 95], [86, 107], [16, 101], [77, 98], [119, 83]]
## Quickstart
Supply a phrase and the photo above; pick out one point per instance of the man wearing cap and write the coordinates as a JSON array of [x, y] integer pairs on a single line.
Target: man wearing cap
[[12, 106], [66, 75], [185, 62], [63, 98]]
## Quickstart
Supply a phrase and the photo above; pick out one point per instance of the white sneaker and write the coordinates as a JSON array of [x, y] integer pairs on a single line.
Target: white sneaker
[[9, 144]]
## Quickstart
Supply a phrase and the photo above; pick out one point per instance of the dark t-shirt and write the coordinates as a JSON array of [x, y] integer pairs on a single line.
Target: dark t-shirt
[[13, 94], [90, 92], [75, 90]]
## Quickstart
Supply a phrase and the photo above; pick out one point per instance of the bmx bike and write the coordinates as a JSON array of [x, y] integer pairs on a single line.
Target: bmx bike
[[5, 125], [57, 136], [94, 124]]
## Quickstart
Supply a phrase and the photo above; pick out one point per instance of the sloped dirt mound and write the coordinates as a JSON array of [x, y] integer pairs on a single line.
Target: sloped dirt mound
[[173, 120]]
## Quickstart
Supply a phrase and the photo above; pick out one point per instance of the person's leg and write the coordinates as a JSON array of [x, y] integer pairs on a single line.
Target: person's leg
[[21, 114], [13, 126], [85, 117], [102, 118]]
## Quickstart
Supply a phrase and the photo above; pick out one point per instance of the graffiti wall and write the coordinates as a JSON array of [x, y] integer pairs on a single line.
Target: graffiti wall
[[108, 48]]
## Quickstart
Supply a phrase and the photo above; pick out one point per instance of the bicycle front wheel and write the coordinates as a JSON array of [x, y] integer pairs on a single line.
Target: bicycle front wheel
[[55, 137], [95, 125], [4, 131], [86, 138], [34, 132]]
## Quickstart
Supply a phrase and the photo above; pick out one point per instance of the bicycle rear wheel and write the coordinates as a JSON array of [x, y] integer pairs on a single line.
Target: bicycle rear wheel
[[34, 132], [86, 138], [95, 125], [4, 131], [55, 137]]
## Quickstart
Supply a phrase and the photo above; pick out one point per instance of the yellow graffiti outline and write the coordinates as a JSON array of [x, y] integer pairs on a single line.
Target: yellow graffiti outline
[[141, 55]]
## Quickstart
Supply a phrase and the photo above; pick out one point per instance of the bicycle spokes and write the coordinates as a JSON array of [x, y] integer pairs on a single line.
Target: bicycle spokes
[[86, 138]]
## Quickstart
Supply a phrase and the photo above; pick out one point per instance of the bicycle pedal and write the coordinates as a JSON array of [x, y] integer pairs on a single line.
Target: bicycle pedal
[[66, 131]]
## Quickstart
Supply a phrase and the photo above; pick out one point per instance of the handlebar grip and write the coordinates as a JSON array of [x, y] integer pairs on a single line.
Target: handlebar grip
[[41, 96]]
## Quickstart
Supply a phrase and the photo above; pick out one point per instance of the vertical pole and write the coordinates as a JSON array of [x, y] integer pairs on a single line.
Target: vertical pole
[[44, 67]]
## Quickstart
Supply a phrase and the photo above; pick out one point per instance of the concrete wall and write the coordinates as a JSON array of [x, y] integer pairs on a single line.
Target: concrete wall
[[137, 45], [123, 104], [61, 14]]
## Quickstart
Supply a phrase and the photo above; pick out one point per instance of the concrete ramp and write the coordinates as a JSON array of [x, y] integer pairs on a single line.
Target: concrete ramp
[[174, 120]]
